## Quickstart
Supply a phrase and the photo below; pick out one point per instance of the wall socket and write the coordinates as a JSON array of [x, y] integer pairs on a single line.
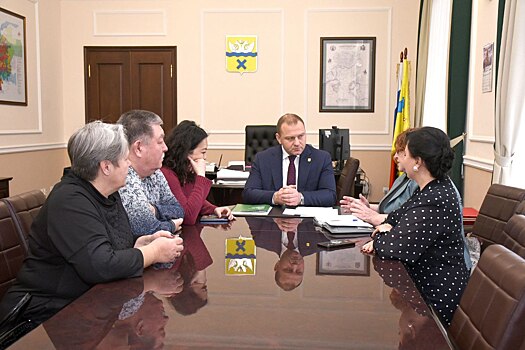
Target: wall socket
[[385, 190]]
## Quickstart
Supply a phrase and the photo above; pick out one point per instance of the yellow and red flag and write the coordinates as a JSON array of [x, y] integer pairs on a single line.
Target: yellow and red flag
[[402, 111]]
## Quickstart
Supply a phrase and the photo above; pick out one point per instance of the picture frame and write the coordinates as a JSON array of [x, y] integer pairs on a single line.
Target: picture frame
[[343, 262], [347, 77], [13, 69], [488, 61]]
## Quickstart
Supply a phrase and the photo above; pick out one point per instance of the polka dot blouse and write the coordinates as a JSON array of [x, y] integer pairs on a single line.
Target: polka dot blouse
[[426, 237]]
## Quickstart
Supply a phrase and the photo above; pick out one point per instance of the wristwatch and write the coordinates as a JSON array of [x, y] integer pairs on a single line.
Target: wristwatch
[[302, 200]]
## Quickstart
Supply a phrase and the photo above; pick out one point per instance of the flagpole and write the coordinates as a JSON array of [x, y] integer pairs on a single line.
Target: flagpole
[[402, 108]]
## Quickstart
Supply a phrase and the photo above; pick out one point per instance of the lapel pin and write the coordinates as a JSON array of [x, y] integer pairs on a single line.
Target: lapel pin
[[309, 160]]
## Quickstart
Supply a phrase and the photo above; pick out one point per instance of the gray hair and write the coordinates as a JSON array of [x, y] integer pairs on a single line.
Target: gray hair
[[137, 124], [94, 143]]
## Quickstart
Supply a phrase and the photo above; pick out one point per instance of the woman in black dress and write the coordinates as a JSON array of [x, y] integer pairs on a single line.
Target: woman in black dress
[[425, 233]]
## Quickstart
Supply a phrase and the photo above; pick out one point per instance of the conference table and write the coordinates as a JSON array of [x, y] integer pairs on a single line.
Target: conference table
[[237, 286]]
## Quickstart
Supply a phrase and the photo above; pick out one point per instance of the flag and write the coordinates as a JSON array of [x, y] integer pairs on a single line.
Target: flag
[[401, 112]]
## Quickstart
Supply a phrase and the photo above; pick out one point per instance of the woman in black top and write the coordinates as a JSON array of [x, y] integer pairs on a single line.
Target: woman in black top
[[82, 235], [425, 233]]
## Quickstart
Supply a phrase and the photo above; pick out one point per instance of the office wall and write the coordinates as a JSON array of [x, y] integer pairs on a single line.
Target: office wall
[[32, 137], [287, 79]]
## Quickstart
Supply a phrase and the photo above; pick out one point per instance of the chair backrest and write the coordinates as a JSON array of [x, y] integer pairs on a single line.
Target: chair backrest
[[498, 206], [513, 236], [491, 313], [346, 181], [12, 250], [24, 209], [258, 138]]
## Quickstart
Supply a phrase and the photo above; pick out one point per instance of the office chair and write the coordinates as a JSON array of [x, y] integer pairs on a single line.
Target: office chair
[[513, 235], [12, 250], [491, 313], [24, 208], [346, 181], [258, 138], [499, 204]]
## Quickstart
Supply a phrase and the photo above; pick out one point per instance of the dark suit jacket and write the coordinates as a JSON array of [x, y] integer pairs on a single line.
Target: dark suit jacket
[[315, 180], [268, 236]]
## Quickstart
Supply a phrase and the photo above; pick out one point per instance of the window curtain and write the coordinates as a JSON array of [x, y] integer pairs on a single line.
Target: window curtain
[[434, 110], [442, 71], [510, 91], [422, 61]]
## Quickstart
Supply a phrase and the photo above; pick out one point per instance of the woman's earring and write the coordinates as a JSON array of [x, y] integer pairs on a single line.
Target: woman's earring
[[415, 168]]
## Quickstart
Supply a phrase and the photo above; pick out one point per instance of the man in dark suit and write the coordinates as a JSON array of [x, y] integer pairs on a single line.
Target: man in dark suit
[[293, 173]]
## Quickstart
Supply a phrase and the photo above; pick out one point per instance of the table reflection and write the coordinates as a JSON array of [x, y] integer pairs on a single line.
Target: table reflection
[[192, 303], [131, 313], [291, 240], [416, 324]]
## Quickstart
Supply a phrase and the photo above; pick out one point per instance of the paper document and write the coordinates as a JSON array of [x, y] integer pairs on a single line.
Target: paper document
[[310, 212], [230, 182], [227, 174], [347, 221]]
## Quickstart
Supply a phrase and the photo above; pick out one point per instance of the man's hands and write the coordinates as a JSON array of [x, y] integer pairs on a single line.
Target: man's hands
[[288, 224], [287, 195]]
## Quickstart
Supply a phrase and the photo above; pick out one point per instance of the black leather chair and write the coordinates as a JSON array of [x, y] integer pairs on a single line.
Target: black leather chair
[[346, 181], [258, 138], [24, 208], [491, 313]]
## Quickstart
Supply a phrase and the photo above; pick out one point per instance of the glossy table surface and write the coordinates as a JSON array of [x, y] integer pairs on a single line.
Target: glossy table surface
[[344, 300]]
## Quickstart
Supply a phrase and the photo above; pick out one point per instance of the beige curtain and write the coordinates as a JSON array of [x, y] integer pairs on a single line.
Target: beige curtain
[[432, 74], [510, 95]]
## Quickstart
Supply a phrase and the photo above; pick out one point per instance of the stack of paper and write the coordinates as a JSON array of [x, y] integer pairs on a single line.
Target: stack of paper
[[344, 224], [347, 221], [232, 177], [311, 212]]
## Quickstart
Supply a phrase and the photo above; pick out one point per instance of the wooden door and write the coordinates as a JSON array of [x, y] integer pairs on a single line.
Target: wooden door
[[118, 79], [154, 87], [108, 85]]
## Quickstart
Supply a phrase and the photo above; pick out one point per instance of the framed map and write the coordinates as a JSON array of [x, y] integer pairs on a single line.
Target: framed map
[[13, 84], [347, 80]]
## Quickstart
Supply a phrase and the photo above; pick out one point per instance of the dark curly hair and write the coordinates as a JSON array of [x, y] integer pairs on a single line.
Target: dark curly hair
[[183, 139], [433, 146]]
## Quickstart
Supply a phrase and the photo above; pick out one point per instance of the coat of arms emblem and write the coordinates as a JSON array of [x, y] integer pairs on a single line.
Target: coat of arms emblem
[[241, 54]]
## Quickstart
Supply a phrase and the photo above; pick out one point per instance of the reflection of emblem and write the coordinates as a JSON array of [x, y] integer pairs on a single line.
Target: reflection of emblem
[[241, 54], [240, 256], [240, 265]]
